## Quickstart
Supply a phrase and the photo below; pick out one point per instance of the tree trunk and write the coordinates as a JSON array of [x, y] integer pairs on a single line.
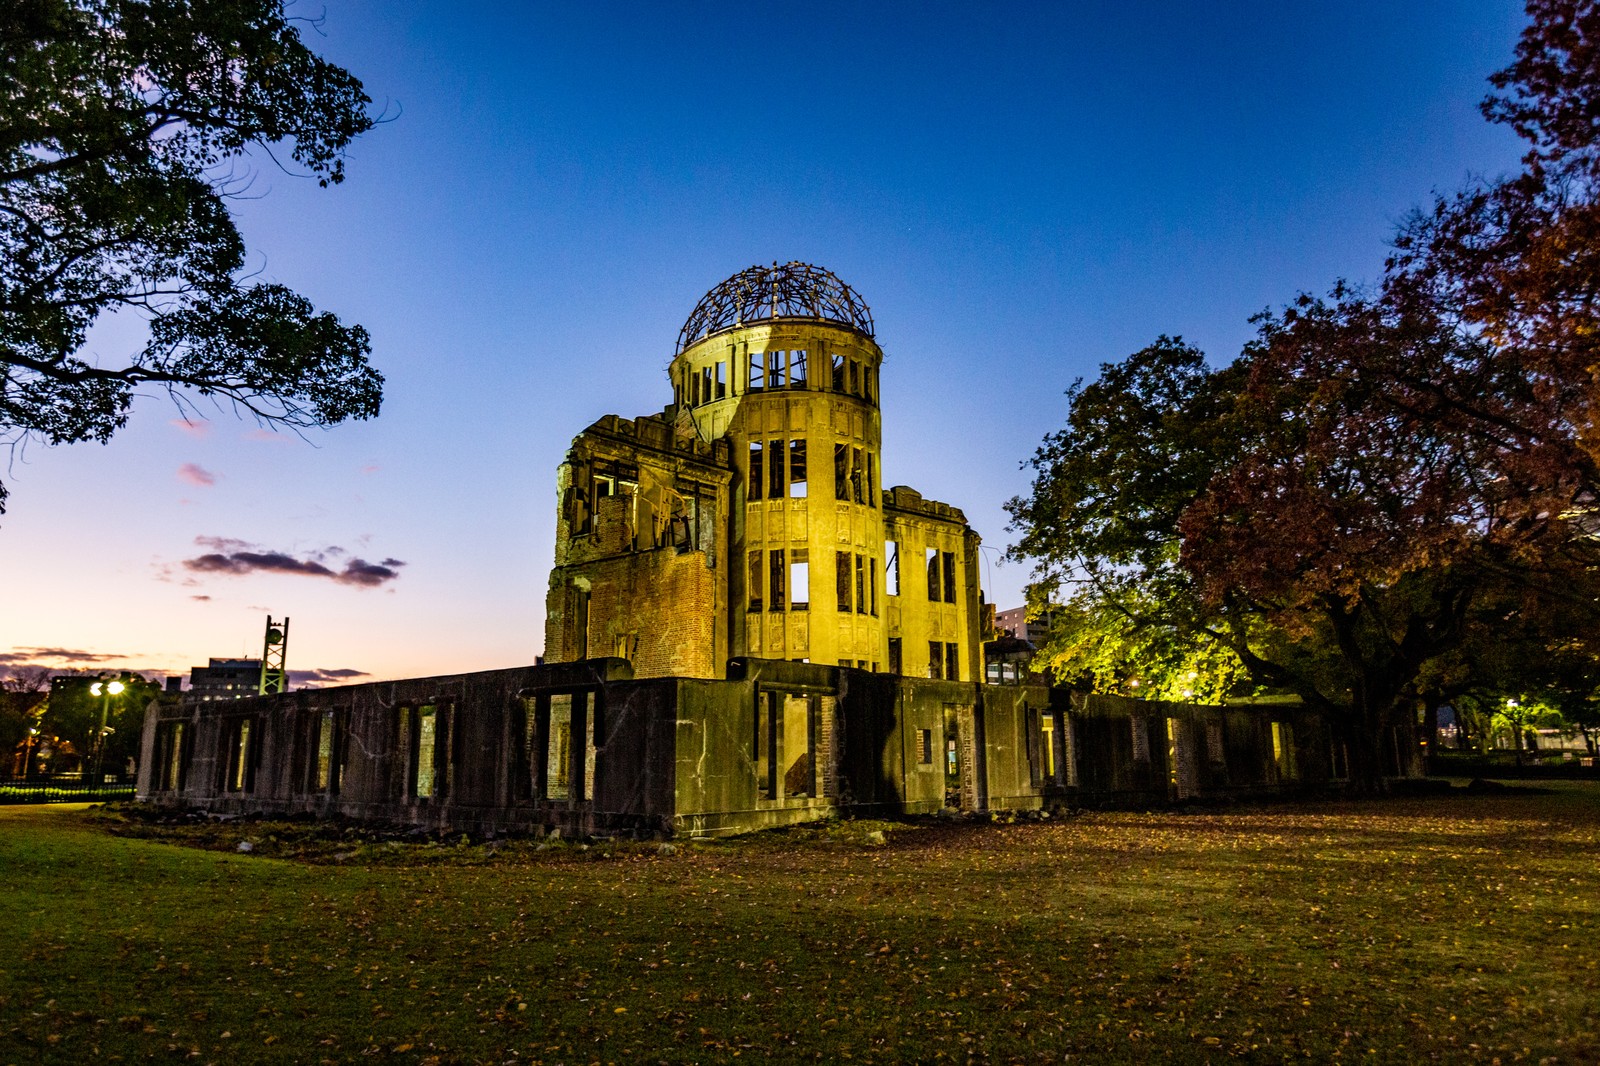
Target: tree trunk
[[1430, 730], [1364, 742]]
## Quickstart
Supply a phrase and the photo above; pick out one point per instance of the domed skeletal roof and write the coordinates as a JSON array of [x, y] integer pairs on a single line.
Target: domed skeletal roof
[[761, 293]]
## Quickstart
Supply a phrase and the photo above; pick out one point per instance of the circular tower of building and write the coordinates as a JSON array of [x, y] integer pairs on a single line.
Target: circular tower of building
[[781, 361]]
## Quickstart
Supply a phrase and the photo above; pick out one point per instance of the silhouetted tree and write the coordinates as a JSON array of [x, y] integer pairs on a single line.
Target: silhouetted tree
[[123, 125]]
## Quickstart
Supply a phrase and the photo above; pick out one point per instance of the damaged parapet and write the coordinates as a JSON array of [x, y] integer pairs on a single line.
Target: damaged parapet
[[587, 748]]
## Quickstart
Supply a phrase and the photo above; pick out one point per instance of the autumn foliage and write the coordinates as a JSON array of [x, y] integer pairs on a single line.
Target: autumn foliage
[[1384, 478]]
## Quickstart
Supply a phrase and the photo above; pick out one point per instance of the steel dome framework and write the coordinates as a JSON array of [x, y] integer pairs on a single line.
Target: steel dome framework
[[763, 293]]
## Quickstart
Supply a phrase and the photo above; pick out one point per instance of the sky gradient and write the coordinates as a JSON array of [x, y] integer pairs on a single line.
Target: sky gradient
[[1020, 192]]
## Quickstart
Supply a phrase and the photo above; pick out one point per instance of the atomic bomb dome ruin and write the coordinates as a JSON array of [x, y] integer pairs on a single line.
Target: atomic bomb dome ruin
[[744, 628]]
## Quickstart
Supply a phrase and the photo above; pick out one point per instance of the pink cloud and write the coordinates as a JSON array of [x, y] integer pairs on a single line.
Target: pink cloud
[[371, 468], [268, 437], [195, 474], [198, 429]]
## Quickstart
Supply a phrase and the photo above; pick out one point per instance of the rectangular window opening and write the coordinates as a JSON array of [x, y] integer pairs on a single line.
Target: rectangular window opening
[[799, 580], [775, 486], [842, 579], [776, 364], [924, 747], [757, 471], [754, 580], [720, 383], [799, 775], [895, 659], [758, 372], [797, 369], [952, 662], [935, 660], [427, 737], [861, 586], [856, 488], [797, 468], [841, 471], [558, 749], [935, 586], [838, 373], [949, 567], [776, 575], [891, 568], [325, 752]]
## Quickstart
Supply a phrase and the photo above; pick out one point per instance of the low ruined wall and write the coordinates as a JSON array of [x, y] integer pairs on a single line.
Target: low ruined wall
[[585, 748]]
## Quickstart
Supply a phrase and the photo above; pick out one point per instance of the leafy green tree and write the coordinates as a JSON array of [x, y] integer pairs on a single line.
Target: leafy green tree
[[124, 125]]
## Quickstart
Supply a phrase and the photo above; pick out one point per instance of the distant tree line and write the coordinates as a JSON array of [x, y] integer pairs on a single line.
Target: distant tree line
[[1390, 501]]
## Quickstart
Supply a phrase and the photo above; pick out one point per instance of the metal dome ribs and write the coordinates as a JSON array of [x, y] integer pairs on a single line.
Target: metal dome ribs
[[762, 293]]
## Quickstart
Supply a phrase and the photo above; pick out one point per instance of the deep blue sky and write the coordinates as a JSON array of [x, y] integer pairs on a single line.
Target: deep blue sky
[[1019, 191]]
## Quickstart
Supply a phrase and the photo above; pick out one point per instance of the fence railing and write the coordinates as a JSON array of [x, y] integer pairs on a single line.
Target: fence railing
[[65, 788]]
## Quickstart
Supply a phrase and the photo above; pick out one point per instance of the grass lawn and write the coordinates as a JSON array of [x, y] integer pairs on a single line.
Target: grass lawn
[[1456, 928]]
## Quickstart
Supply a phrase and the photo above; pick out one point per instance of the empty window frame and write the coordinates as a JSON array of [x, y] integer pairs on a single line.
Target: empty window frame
[[424, 772], [758, 371], [872, 480], [857, 489], [936, 659], [843, 580], [896, 660], [891, 568], [326, 779], [948, 561], [775, 486], [952, 662], [241, 756], [872, 587], [797, 369], [869, 379], [754, 581], [705, 384], [558, 749], [783, 745], [777, 575], [861, 586], [838, 373], [855, 378], [841, 471], [797, 468], [719, 382], [924, 747], [777, 363], [799, 579], [174, 756], [758, 478], [1047, 744], [935, 586]]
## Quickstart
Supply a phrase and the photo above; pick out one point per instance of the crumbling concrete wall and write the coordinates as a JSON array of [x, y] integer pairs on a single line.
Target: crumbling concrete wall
[[587, 748]]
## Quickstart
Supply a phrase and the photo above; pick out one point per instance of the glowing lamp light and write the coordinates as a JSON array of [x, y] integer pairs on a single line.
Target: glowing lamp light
[[108, 688]]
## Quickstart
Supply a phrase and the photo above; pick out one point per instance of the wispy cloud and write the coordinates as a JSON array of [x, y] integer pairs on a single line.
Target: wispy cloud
[[195, 474], [202, 599], [199, 429], [266, 436], [319, 677], [371, 468], [54, 661], [38, 656], [235, 558]]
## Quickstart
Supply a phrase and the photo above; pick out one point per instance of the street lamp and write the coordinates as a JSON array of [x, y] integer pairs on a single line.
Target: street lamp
[[105, 690]]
